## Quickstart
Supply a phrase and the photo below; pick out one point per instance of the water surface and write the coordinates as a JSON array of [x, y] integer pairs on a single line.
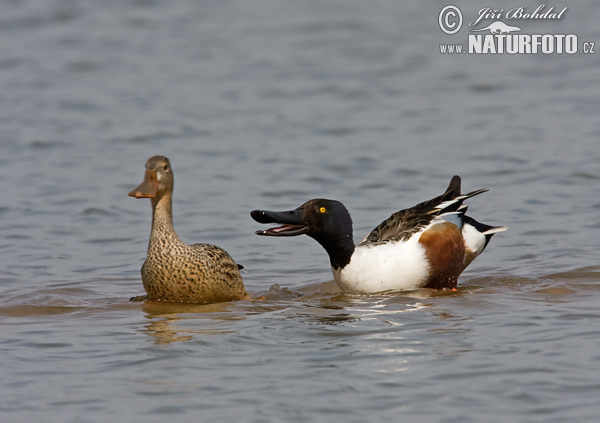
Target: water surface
[[264, 105]]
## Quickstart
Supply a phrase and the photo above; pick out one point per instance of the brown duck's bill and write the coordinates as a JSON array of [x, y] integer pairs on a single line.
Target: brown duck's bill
[[148, 188], [293, 223]]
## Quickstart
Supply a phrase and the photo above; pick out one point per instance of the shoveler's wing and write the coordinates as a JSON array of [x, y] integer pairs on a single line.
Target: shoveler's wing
[[403, 224]]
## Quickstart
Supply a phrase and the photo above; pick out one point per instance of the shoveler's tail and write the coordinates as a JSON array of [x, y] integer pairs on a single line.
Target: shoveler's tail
[[476, 236], [485, 230]]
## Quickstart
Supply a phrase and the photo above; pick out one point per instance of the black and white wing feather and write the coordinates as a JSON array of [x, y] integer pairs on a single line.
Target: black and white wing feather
[[403, 224]]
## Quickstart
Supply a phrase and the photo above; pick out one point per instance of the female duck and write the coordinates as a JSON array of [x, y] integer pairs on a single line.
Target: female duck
[[425, 246], [173, 270]]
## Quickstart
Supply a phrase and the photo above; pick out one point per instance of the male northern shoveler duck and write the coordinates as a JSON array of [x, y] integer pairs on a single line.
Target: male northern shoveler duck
[[425, 246], [173, 270]]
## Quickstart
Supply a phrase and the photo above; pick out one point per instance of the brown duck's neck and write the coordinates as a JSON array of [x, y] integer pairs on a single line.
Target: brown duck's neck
[[162, 221]]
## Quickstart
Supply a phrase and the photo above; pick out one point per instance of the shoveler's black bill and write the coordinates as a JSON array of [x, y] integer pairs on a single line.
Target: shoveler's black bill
[[292, 221]]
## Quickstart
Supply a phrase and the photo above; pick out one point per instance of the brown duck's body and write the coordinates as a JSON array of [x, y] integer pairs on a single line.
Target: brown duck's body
[[173, 270]]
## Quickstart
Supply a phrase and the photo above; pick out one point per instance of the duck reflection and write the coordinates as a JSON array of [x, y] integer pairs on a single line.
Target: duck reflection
[[177, 322], [312, 305]]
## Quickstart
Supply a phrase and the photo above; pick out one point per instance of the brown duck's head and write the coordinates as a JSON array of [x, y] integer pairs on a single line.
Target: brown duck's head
[[157, 179]]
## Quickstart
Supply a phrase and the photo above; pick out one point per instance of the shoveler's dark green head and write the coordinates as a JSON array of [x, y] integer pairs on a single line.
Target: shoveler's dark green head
[[327, 221]]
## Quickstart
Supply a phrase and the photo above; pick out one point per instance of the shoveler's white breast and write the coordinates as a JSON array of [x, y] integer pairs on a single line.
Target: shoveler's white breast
[[385, 267]]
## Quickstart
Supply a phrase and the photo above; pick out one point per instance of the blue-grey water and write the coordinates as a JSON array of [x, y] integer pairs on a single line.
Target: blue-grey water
[[266, 104]]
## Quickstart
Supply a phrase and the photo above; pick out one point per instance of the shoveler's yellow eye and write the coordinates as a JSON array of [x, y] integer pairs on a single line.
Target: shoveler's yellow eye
[[322, 209]]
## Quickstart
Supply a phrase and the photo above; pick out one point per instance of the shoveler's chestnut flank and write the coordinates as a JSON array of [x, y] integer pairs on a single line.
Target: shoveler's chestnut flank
[[425, 246], [173, 270]]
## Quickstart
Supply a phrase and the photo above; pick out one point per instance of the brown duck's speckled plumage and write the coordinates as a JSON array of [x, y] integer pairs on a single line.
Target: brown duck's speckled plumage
[[175, 271]]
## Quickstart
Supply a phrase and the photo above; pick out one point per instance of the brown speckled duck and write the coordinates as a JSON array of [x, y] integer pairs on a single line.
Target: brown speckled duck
[[173, 270]]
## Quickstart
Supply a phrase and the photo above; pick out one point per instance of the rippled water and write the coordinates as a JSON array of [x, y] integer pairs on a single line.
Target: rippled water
[[265, 105]]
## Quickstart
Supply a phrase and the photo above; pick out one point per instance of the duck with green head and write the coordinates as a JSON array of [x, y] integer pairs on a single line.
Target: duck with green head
[[425, 246]]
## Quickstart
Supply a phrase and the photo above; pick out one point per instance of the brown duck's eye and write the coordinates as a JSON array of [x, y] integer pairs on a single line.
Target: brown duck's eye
[[322, 209], [166, 167]]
